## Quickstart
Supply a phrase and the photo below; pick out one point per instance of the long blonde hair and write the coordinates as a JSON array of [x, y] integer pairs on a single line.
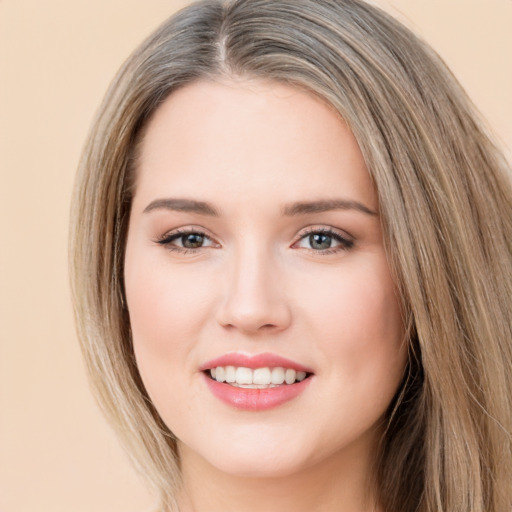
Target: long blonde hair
[[445, 200]]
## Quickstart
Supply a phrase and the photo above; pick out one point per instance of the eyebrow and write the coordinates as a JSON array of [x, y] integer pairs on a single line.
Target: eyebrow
[[302, 208], [182, 205], [290, 210]]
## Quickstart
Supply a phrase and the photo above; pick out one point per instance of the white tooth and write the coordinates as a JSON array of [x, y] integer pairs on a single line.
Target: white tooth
[[290, 376], [301, 376], [219, 374], [243, 375], [277, 375], [254, 386], [212, 373], [229, 374], [262, 376]]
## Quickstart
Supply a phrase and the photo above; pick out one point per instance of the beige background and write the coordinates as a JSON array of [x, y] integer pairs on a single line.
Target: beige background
[[56, 59]]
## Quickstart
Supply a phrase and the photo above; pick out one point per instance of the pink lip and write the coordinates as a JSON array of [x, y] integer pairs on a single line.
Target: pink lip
[[254, 361], [254, 399]]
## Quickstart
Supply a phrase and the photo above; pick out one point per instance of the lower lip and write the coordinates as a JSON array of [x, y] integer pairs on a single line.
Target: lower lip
[[255, 399]]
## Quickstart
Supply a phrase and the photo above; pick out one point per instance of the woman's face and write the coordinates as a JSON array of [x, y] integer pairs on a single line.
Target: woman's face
[[255, 249]]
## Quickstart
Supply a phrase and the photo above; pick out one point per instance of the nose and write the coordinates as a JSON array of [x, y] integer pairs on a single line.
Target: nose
[[254, 301]]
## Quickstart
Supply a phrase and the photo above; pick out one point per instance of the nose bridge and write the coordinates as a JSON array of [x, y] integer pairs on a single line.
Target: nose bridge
[[254, 294]]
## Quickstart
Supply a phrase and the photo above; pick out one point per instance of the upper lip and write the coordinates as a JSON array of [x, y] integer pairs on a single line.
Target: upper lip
[[263, 360]]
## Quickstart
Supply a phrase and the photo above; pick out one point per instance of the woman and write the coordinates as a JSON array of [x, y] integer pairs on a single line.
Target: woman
[[292, 266]]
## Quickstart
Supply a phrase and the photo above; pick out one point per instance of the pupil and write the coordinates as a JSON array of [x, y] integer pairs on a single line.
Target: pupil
[[320, 241], [192, 241]]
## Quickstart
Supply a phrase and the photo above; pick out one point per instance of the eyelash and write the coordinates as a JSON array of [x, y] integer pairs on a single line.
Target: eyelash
[[345, 243], [168, 238]]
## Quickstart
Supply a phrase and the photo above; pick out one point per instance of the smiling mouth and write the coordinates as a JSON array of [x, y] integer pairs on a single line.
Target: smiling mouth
[[258, 378]]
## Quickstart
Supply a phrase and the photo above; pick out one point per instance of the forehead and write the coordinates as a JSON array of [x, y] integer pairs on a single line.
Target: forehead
[[249, 137]]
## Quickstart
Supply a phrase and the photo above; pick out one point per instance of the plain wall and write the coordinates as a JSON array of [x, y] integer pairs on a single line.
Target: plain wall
[[56, 59]]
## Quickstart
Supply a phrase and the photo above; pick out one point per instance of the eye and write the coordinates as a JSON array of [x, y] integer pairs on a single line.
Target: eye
[[325, 241], [186, 240]]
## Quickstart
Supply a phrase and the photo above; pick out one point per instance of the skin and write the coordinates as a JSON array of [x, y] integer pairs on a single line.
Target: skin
[[260, 284]]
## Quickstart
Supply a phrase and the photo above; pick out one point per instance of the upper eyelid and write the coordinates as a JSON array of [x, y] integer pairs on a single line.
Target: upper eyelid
[[173, 234], [184, 231], [324, 229], [344, 239], [302, 232], [167, 240]]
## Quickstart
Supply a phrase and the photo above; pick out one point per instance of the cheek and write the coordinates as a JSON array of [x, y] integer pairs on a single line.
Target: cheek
[[168, 307], [358, 323], [167, 311], [359, 301]]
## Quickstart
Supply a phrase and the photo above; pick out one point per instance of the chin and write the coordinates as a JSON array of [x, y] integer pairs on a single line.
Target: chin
[[253, 456], [259, 466]]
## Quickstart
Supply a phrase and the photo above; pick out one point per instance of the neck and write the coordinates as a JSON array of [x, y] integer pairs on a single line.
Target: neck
[[331, 485]]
